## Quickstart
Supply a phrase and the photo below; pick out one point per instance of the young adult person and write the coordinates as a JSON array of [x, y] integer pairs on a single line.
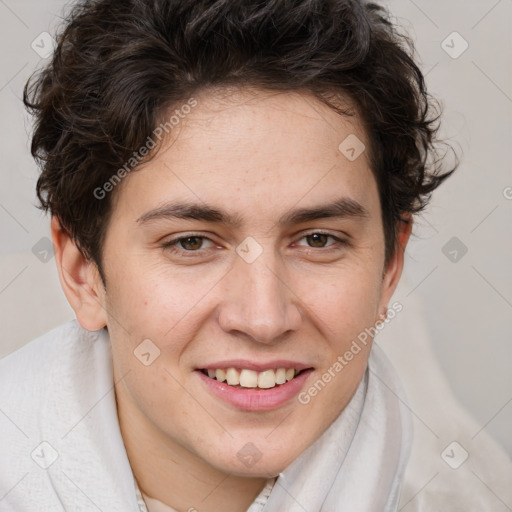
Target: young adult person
[[232, 187]]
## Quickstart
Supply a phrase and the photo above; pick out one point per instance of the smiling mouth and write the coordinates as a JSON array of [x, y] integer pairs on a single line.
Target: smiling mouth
[[250, 379]]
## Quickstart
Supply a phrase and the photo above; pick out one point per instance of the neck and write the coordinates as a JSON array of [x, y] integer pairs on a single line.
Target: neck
[[170, 473]]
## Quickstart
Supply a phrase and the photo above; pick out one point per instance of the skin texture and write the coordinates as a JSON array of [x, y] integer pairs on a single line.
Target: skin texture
[[258, 155]]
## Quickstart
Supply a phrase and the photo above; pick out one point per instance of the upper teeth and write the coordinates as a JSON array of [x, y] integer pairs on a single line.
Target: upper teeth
[[252, 379]]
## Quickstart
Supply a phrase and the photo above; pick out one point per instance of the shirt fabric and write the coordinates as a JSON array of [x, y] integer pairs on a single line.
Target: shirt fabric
[[148, 504]]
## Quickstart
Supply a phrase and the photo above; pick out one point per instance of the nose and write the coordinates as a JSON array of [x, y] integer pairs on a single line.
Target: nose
[[259, 303]]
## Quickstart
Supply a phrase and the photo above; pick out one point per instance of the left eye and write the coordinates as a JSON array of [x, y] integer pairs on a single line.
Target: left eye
[[319, 240], [188, 243]]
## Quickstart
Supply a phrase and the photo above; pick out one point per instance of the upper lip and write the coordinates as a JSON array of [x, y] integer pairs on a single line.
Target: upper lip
[[252, 365]]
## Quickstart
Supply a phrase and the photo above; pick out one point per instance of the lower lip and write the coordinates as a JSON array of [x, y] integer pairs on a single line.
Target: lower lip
[[255, 399]]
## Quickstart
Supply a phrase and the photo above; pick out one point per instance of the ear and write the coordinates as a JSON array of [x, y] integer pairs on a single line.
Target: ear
[[395, 266], [80, 280]]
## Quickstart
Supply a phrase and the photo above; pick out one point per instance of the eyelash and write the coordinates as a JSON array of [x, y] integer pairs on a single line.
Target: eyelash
[[172, 245]]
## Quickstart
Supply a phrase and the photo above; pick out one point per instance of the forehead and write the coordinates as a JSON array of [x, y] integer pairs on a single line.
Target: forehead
[[253, 151]]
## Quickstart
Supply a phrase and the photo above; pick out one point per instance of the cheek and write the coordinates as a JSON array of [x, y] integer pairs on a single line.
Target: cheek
[[156, 312], [345, 312], [153, 301], [344, 303]]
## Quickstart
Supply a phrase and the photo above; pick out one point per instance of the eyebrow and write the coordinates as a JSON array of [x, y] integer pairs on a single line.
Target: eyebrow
[[341, 208]]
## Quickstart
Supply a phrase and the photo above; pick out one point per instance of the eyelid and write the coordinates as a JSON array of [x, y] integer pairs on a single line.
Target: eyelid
[[323, 232], [176, 240]]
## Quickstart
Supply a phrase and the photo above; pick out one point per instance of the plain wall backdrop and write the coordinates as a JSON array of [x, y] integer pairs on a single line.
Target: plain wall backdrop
[[459, 261]]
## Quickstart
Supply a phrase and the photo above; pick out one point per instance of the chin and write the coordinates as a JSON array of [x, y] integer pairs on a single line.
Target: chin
[[249, 461], [259, 470]]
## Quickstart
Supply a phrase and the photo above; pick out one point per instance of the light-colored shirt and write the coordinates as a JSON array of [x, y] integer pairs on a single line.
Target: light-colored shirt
[[148, 504]]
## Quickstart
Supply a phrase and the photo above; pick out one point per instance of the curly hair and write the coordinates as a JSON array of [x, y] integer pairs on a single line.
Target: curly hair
[[120, 65]]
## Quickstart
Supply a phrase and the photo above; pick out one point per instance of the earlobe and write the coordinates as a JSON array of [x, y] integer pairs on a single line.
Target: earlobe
[[80, 280]]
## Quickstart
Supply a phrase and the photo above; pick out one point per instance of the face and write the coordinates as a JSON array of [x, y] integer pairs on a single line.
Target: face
[[250, 242]]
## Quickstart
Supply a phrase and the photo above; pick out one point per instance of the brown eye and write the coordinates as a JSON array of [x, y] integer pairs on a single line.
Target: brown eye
[[191, 243], [188, 245], [317, 239]]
